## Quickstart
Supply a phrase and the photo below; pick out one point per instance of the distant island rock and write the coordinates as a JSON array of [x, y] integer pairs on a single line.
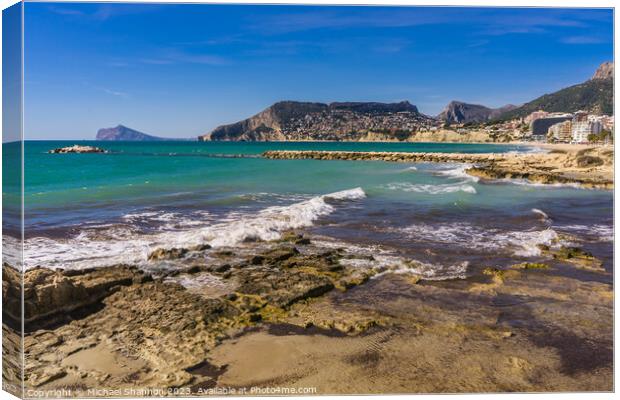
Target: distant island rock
[[76, 148], [353, 121], [462, 113], [123, 133]]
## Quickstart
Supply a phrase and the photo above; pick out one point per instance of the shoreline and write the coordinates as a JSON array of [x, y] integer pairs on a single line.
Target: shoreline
[[588, 167], [294, 296]]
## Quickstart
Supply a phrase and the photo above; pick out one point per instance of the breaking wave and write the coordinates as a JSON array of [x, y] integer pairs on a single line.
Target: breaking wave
[[543, 215], [519, 243], [431, 189], [458, 172], [123, 245], [390, 263], [600, 233]]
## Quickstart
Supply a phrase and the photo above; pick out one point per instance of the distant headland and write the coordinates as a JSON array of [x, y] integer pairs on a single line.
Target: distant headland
[[590, 101]]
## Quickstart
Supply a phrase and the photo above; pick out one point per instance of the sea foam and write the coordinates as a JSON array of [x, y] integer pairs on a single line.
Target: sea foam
[[431, 189], [519, 243], [123, 245]]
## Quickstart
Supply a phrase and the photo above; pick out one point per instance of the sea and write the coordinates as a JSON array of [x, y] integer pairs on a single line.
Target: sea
[[90, 210]]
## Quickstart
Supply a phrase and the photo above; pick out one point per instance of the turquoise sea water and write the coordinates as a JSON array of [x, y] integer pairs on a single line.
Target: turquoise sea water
[[93, 209]]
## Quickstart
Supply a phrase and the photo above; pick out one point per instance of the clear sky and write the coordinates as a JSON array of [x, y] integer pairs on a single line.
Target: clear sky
[[181, 70]]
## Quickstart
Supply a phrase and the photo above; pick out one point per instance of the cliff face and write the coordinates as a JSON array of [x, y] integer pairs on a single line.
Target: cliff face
[[604, 71], [291, 120], [462, 113], [121, 132]]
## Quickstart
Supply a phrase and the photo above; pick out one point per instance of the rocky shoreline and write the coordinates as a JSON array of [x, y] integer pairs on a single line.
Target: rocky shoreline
[[125, 327], [588, 167]]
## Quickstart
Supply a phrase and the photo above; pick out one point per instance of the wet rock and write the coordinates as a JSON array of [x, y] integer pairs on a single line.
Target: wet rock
[[527, 265], [167, 254], [222, 254], [284, 288], [51, 292], [222, 268], [279, 254], [200, 247], [77, 149], [579, 257], [589, 161], [413, 279]]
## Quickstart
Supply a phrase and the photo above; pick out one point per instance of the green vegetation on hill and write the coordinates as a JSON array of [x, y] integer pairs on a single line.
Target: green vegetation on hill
[[595, 95]]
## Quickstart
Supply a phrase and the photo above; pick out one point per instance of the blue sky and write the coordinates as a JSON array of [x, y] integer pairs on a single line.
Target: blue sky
[[181, 70]]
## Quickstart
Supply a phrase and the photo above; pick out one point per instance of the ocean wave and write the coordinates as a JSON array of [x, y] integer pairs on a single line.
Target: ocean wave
[[542, 214], [519, 243], [390, 263], [530, 150], [525, 182], [458, 172], [431, 189], [431, 271], [89, 249], [602, 233]]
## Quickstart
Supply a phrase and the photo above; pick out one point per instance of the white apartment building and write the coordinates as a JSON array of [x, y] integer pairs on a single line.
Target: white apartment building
[[582, 129]]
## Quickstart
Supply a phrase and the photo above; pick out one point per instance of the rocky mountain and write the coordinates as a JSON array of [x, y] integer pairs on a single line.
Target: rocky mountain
[[293, 120], [121, 132], [604, 71], [595, 95], [463, 113]]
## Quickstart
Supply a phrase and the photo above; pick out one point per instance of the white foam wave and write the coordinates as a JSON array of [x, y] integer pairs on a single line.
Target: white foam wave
[[541, 213], [87, 250], [432, 272], [603, 233], [519, 243], [525, 182], [431, 189], [385, 259], [458, 172]]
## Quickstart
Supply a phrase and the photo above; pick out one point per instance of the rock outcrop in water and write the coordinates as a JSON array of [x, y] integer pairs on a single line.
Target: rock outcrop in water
[[292, 120], [76, 148], [462, 113]]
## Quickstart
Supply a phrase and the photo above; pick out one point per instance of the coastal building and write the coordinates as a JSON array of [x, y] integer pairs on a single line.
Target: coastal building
[[607, 122], [584, 128], [541, 126], [561, 132]]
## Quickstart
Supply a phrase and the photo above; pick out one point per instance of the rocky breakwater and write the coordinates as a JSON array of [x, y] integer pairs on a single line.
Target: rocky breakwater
[[589, 167], [383, 156], [76, 148], [122, 327]]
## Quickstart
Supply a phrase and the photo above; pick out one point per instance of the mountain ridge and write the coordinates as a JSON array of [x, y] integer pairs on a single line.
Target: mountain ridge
[[295, 120], [595, 95], [462, 113]]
